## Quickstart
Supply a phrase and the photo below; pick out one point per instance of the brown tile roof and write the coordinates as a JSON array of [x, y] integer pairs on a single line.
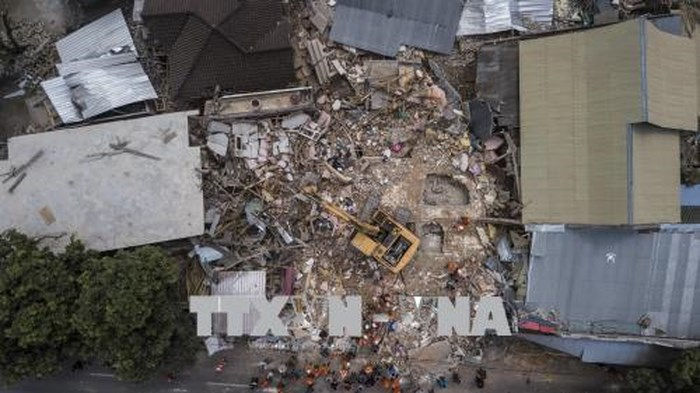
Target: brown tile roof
[[240, 45]]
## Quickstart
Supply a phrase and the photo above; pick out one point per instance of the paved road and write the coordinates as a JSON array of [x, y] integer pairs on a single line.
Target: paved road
[[503, 377]]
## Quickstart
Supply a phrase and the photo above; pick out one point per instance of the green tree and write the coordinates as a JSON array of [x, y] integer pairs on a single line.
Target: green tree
[[645, 380], [128, 311], [37, 293], [685, 371]]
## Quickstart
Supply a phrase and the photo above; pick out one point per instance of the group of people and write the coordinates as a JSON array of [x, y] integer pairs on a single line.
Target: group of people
[[338, 377]]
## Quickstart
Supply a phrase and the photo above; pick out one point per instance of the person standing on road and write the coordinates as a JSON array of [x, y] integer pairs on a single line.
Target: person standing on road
[[480, 378]]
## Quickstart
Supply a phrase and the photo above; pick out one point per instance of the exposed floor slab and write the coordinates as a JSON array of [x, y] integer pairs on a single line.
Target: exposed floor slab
[[80, 186]]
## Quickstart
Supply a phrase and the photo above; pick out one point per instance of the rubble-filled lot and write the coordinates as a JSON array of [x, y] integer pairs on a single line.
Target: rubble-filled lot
[[372, 133], [412, 136]]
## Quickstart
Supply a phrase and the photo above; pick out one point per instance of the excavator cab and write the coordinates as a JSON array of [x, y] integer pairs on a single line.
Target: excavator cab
[[383, 238], [393, 246]]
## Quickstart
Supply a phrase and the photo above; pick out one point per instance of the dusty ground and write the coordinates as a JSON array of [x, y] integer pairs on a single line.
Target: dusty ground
[[58, 15]]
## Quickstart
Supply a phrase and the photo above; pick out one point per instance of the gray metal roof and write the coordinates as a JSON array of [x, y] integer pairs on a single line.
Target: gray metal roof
[[604, 280], [98, 62], [249, 283], [92, 92], [383, 26], [59, 94], [97, 38], [101, 90], [608, 352], [497, 80], [243, 283], [100, 71], [492, 16]]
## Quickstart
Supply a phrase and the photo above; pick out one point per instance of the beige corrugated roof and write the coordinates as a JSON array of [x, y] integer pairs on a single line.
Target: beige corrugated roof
[[697, 56], [580, 93], [671, 83]]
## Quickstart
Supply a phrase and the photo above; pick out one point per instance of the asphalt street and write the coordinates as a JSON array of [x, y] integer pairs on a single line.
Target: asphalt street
[[503, 376]]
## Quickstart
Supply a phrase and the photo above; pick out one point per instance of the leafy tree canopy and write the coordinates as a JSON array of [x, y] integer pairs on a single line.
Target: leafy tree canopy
[[127, 311], [645, 380], [685, 372], [37, 292]]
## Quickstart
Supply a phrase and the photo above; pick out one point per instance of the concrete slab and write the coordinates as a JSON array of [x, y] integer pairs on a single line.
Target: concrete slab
[[109, 202]]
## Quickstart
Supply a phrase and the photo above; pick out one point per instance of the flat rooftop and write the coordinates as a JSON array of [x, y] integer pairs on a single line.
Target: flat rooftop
[[108, 198]]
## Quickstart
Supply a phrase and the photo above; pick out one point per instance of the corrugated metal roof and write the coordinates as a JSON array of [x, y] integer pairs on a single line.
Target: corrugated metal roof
[[608, 352], [605, 280], [59, 94], [97, 38], [250, 283], [244, 283], [383, 26], [100, 71], [527, 12], [99, 62], [86, 94], [492, 16], [101, 90], [485, 16]]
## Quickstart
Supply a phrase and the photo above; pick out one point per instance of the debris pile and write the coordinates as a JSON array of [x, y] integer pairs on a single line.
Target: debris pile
[[29, 46], [370, 133]]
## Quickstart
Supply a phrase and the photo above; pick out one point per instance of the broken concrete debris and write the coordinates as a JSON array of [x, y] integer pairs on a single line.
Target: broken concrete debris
[[347, 152], [317, 51], [388, 143]]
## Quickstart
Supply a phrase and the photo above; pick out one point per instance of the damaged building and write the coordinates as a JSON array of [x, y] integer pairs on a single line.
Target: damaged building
[[99, 71], [616, 295], [236, 46]]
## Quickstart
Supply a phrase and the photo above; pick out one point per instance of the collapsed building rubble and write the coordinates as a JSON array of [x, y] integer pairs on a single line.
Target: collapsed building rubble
[[365, 134], [389, 134]]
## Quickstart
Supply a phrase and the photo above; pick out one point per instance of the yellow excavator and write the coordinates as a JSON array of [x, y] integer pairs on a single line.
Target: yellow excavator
[[383, 238]]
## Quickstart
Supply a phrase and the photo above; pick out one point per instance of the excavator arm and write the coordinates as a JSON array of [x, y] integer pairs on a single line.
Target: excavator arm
[[362, 226]]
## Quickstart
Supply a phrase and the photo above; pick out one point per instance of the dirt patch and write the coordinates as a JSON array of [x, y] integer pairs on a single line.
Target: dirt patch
[[432, 237], [442, 190]]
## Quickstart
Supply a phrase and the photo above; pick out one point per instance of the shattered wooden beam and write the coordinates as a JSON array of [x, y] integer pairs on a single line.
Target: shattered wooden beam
[[497, 220], [317, 51]]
